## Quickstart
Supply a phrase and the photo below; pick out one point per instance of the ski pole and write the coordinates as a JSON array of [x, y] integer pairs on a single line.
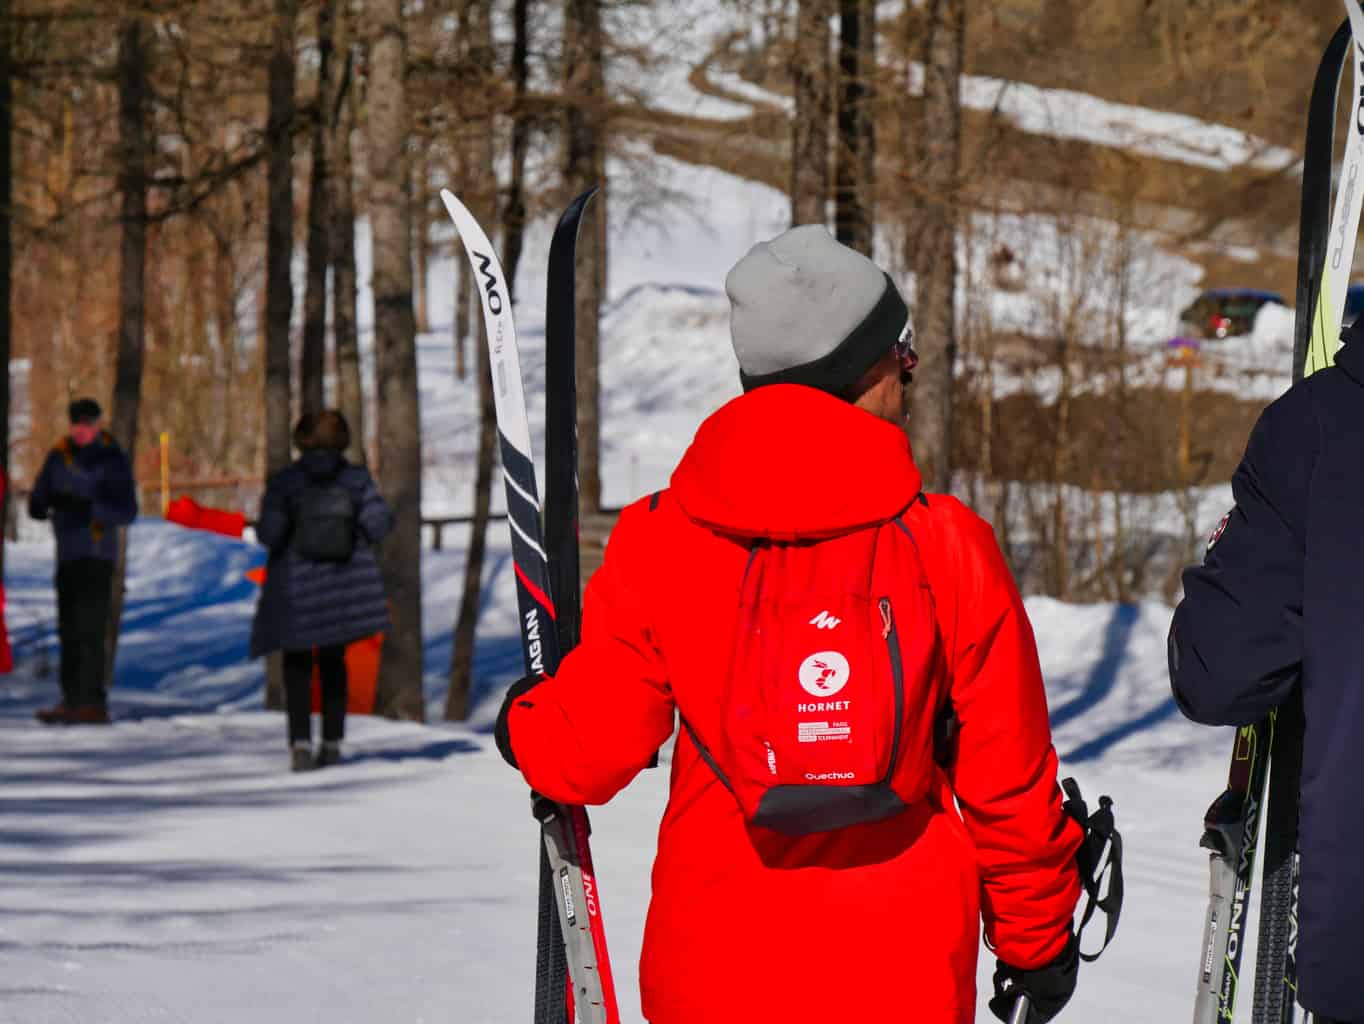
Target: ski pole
[[1021, 1007]]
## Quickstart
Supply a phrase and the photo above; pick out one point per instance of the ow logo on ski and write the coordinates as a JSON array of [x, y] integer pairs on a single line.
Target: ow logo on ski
[[825, 621], [534, 647], [489, 283]]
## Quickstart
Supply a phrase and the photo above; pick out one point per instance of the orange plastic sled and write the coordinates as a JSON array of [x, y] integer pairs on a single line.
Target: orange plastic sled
[[189, 513]]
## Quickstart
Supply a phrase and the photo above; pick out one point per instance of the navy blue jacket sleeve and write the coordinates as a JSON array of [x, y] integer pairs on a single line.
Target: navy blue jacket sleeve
[[115, 495], [374, 517], [40, 500], [1236, 644], [273, 523]]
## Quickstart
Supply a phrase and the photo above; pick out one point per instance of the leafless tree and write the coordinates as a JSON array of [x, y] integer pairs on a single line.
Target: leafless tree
[[279, 287], [399, 421], [313, 357], [854, 168], [134, 95], [584, 142], [6, 220], [811, 74], [479, 154], [931, 244], [350, 393]]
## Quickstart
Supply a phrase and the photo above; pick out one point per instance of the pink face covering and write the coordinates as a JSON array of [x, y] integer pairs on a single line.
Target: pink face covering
[[84, 433]]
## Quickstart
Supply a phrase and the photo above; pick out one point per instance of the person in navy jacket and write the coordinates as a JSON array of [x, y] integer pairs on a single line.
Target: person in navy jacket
[[86, 490], [1278, 603]]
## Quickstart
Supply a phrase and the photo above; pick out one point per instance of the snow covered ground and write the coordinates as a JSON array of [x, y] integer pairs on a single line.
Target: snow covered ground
[[169, 868]]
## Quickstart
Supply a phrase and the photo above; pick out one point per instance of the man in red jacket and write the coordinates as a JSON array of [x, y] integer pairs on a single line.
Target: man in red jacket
[[760, 911]]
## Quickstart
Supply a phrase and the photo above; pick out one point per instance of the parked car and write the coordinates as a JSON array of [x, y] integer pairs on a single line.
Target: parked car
[[1226, 312]]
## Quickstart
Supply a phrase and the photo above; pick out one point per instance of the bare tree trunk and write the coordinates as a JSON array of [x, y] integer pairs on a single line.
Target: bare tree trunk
[[463, 324], [931, 247], [1060, 524], [313, 357], [514, 212], [421, 241], [462, 655], [854, 173], [1118, 420], [225, 323], [811, 74], [279, 287], [584, 166], [6, 267], [350, 392], [513, 221], [400, 693], [134, 98], [866, 117]]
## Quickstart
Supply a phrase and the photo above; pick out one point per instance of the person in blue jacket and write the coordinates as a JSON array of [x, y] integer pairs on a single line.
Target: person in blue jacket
[[1279, 603], [86, 489], [321, 518]]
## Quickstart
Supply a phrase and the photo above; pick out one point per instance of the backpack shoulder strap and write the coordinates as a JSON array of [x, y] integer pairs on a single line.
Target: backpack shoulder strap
[[946, 725]]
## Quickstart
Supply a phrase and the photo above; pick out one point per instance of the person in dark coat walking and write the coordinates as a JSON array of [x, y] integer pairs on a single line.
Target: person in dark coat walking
[[320, 518], [86, 489], [1276, 605]]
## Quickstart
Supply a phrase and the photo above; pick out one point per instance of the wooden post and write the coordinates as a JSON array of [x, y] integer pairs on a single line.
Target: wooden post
[[165, 473]]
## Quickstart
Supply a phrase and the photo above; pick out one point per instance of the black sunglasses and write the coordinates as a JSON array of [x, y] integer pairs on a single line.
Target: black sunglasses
[[904, 351]]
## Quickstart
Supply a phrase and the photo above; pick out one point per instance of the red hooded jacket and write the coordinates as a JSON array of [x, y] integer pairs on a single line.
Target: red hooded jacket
[[876, 922]]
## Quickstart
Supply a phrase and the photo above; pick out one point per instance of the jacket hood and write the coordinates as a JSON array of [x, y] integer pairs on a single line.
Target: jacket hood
[[322, 463], [786, 462]]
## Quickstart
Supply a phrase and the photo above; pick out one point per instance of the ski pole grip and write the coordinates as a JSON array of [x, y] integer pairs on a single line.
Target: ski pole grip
[[1021, 1007]]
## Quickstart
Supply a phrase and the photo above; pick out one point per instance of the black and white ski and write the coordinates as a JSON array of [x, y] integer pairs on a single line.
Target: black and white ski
[[564, 829]]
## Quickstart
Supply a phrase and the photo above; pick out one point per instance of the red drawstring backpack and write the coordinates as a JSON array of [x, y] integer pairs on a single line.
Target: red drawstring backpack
[[834, 685]]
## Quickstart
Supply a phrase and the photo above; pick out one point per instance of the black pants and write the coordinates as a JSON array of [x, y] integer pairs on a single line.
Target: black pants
[[84, 590], [298, 692]]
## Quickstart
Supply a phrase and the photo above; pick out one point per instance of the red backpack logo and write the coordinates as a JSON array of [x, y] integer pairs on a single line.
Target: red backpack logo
[[833, 686]]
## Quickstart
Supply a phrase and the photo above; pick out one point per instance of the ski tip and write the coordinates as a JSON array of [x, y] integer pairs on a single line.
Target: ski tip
[[452, 204]]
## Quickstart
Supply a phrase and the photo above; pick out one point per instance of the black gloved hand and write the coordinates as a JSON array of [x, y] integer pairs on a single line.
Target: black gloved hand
[[1048, 988], [501, 734]]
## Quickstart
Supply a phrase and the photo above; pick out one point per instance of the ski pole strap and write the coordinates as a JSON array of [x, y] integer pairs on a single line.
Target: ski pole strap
[[1100, 854]]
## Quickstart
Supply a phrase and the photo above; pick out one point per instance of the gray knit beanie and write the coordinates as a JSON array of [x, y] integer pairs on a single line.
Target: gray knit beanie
[[805, 309]]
